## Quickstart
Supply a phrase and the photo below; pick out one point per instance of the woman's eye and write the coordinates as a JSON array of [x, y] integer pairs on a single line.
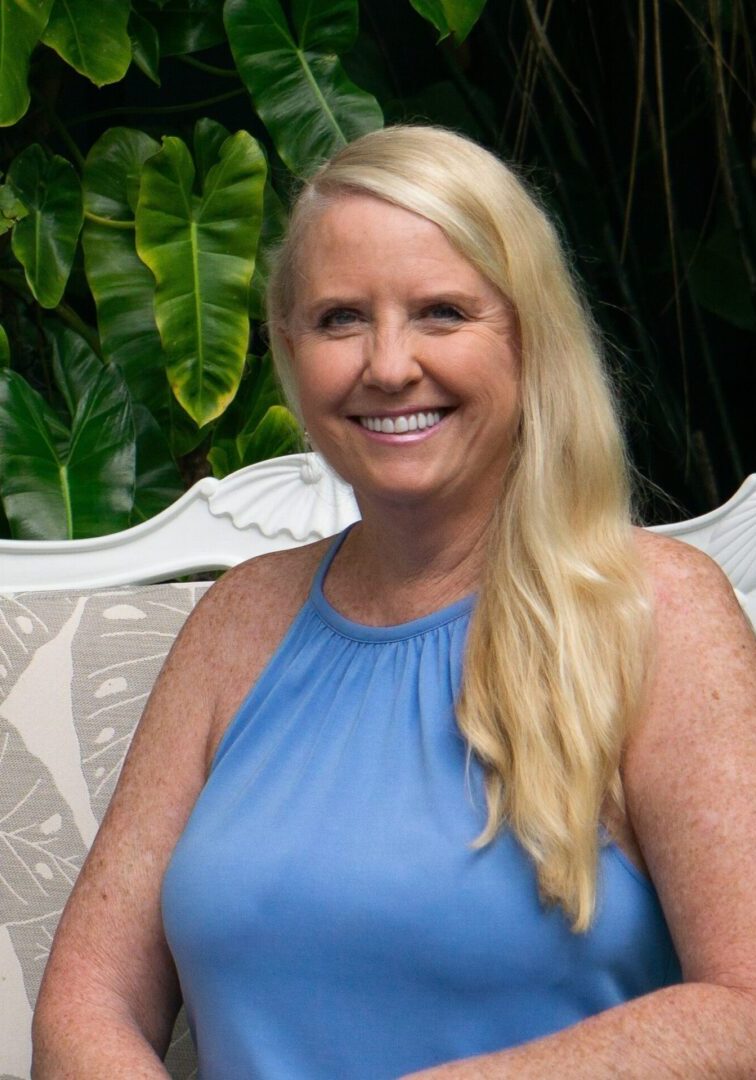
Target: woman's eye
[[337, 318], [444, 313]]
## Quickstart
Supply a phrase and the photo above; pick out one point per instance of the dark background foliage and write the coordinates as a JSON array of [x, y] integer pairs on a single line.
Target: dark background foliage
[[634, 120]]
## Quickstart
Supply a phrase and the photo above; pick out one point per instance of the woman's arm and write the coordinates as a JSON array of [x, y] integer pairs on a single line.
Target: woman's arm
[[690, 779]]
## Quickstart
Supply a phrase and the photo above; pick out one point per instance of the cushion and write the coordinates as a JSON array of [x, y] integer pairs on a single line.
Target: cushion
[[75, 672]]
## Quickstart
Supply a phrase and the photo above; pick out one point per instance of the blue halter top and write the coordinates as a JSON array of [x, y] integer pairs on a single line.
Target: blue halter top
[[328, 917]]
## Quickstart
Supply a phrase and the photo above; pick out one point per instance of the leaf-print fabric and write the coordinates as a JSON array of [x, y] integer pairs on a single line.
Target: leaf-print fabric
[[75, 673]]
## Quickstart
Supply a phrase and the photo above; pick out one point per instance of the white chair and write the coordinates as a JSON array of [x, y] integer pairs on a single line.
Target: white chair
[[83, 634], [217, 523]]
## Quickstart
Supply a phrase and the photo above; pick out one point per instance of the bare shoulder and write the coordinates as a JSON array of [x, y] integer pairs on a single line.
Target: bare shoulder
[[690, 762], [703, 645], [688, 586]]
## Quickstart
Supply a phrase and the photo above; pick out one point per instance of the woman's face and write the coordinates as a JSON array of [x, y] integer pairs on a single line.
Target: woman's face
[[405, 357]]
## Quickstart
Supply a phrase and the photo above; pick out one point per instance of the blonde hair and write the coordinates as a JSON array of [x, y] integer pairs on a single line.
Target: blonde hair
[[556, 653]]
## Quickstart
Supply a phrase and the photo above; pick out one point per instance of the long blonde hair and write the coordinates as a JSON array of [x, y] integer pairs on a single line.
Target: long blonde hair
[[556, 653]]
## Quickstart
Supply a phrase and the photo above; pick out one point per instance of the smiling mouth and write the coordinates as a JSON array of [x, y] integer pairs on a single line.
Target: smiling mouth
[[401, 425]]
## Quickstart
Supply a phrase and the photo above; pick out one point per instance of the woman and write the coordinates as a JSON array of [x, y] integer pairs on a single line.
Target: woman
[[350, 888]]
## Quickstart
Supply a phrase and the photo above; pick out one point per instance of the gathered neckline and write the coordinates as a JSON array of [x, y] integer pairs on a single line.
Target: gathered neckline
[[361, 631]]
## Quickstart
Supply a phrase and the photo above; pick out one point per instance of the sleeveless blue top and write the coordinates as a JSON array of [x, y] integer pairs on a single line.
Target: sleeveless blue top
[[326, 913]]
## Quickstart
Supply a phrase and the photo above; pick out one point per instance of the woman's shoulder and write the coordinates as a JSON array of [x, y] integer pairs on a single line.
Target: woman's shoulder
[[243, 618], [681, 576], [275, 576], [704, 649]]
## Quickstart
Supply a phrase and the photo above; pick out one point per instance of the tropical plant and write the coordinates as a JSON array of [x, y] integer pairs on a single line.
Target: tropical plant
[[149, 150]]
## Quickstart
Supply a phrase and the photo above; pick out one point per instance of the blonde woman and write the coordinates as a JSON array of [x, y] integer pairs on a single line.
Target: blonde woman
[[469, 791]]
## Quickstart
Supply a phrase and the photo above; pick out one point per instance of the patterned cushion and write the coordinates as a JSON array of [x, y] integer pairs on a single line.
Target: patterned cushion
[[75, 672]]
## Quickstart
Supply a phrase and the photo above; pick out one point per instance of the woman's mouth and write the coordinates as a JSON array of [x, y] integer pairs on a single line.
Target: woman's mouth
[[401, 425]]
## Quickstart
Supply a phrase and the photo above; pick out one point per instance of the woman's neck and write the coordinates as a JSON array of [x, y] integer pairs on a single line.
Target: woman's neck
[[401, 563]]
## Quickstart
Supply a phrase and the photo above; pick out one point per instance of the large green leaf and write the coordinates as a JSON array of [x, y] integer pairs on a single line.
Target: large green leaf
[[44, 242], [91, 37], [158, 481], [59, 481], [201, 249], [273, 228], [456, 17], [4, 349], [21, 25], [188, 26], [122, 286], [145, 46], [299, 88], [257, 425]]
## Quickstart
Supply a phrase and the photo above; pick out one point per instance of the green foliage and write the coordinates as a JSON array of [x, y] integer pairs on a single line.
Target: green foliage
[[73, 477], [456, 17], [21, 24], [130, 346], [254, 425], [92, 38], [200, 248], [301, 77], [45, 238], [122, 286]]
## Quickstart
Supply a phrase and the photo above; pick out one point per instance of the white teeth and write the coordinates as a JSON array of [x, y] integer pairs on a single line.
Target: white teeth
[[401, 424]]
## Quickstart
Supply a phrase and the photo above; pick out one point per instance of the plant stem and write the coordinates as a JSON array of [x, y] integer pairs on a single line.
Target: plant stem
[[109, 223], [158, 110], [210, 69]]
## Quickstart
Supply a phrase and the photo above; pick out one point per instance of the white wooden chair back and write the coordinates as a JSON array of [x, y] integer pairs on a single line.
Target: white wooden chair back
[[217, 523]]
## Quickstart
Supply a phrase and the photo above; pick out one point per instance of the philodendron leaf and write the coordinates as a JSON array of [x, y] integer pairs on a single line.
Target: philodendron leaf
[[209, 137], [187, 27], [456, 17], [21, 25], [91, 37], [235, 431], [44, 241], [145, 46], [122, 286], [59, 481], [4, 349], [201, 250], [158, 481], [278, 433], [297, 84]]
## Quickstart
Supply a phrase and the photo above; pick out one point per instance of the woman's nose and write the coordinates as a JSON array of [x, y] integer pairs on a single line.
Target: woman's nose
[[391, 361]]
